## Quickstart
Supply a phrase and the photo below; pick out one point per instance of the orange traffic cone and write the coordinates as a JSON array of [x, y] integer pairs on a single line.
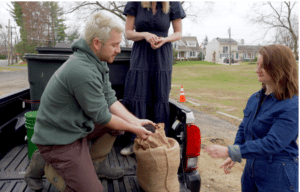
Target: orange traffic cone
[[182, 96]]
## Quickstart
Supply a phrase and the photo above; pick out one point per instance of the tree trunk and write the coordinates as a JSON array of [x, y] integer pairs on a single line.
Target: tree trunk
[[295, 47]]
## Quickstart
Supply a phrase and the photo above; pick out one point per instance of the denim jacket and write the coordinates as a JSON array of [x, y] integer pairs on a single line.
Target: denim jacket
[[268, 130]]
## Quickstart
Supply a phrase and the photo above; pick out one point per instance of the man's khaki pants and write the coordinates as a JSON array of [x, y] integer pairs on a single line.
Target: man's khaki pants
[[70, 167]]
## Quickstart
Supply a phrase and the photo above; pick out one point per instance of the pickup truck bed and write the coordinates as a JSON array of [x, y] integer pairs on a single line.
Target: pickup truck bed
[[15, 162], [14, 151]]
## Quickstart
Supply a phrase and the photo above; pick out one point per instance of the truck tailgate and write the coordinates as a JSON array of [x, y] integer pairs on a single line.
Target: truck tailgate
[[14, 164]]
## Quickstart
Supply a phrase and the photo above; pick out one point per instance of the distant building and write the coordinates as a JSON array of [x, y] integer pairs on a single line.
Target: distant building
[[220, 48], [248, 52], [187, 47]]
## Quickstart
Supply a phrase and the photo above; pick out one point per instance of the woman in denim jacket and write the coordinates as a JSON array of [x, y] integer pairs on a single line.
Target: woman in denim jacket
[[268, 133]]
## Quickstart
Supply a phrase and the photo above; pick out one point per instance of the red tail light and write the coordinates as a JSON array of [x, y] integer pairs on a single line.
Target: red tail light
[[193, 141], [193, 147]]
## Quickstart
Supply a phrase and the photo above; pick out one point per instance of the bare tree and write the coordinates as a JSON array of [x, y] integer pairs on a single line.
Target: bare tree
[[86, 8], [284, 37], [3, 40], [277, 17]]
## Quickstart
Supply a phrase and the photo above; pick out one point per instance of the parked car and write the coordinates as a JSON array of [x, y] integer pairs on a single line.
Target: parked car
[[226, 60]]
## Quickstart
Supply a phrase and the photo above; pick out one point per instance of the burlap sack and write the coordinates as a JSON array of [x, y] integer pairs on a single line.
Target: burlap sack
[[158, 159]]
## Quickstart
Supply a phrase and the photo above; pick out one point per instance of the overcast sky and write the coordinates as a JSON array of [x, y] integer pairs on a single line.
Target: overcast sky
[[213, 24]]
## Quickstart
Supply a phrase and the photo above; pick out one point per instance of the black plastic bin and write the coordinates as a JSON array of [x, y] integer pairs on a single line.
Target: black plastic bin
[[54, 50], [125, 51], [40, 69], [42, 66]]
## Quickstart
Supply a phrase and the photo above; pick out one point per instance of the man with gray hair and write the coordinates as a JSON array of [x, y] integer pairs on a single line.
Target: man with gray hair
[[78, 107]]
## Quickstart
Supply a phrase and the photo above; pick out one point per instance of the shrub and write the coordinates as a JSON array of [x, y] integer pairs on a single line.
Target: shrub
[[200, 56], [2, 56], [175, 53]]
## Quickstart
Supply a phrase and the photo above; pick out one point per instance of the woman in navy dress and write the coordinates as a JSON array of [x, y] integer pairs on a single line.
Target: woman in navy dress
[[148, 81]]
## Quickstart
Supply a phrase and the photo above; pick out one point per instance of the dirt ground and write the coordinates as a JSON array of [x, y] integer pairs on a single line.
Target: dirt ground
[[214, 178], [214, 130]]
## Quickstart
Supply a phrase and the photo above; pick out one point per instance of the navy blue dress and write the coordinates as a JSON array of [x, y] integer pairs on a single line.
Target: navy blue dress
[[148, 81]]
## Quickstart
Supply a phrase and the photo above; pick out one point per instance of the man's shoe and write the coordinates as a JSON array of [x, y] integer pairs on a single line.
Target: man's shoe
[[35, 171], [128, 150], [105, 171]]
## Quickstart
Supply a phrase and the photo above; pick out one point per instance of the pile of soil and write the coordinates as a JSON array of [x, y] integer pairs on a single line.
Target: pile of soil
[[150, 127]]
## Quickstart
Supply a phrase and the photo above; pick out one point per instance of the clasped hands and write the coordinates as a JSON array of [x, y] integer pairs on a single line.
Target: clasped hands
[[155, 41]]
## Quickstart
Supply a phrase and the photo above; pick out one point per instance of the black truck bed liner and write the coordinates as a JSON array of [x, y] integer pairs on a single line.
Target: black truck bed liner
[[15, 162]]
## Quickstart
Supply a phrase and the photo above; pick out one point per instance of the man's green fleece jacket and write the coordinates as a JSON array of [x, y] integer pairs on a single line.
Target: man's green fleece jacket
[[78, 95]]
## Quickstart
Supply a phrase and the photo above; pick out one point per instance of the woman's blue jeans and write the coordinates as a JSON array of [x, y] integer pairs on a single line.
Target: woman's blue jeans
[[271, 174]]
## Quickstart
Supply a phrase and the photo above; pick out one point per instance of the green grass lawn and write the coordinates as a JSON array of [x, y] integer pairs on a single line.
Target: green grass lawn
[[3, 69], [215, 87], [9, 68], [22, 64]]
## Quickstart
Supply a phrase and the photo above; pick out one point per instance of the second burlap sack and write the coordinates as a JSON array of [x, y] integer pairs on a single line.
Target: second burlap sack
[[158, 159]]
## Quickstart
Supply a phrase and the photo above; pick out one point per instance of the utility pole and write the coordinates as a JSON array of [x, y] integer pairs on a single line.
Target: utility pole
[[202, 51], [16, 57], [10, 47], [5, 46], [8, 41], [229, 31]]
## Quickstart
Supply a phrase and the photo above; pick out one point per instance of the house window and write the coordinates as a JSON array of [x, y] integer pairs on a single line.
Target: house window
[[192, 54], [225, 49], [191, 44], [175, 45], [237, 55], [248, 56]]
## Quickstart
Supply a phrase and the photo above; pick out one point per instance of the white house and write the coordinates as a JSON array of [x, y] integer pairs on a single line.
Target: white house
[[187, 47], [218, 49], [220, 46], [248, 52]]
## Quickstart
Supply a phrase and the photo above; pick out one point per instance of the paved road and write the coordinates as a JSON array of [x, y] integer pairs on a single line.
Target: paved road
[[3, 63], [12, 81]]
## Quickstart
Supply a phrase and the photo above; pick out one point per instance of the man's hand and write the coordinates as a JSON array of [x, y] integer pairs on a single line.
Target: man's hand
[[141, 122], [141, 132]]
